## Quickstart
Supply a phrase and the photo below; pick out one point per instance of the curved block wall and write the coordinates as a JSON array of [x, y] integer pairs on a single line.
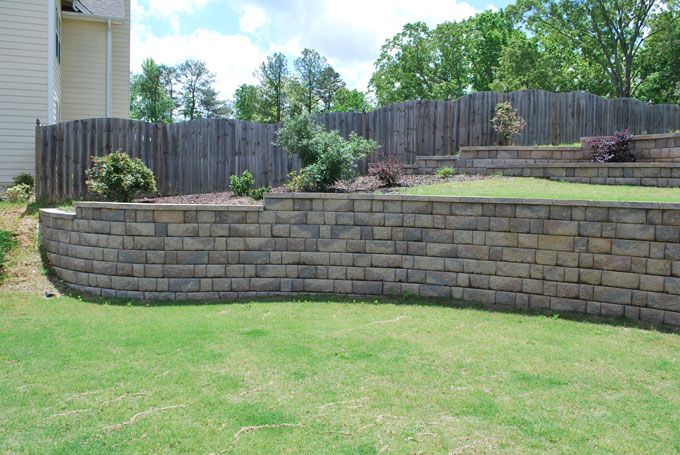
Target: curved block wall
[[620, 259]]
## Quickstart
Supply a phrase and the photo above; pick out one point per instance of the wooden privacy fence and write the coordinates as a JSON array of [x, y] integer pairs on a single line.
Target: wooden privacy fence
[[200, 155]]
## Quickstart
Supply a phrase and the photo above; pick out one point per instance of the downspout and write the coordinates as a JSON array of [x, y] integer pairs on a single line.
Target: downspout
[[51, 61], [109, 70]]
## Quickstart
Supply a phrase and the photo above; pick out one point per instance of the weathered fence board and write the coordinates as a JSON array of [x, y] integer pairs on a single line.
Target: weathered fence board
[[200, 155]]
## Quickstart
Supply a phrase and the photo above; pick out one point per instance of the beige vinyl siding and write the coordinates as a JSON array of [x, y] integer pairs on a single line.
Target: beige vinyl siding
[[23, 83], [83, 69], [121, 66]]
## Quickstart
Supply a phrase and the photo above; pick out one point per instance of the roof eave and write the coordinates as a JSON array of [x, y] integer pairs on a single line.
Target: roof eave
[[92, 17]]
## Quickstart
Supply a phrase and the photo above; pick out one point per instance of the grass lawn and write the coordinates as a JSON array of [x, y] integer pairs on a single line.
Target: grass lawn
[[328, 377], [532, 188]]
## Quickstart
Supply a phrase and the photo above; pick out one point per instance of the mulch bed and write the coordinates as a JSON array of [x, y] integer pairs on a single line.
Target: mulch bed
[[363, 184]]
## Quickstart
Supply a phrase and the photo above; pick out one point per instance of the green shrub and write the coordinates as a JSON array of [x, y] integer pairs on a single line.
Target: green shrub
[[445, 172], [20, 192], [7, 243], [507, 122], [326, 156], [24, 179], [258, 193], [241, 186], [117, 177]]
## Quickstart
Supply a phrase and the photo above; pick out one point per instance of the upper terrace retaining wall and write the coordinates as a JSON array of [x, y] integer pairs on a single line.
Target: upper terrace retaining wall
[[597, 258]]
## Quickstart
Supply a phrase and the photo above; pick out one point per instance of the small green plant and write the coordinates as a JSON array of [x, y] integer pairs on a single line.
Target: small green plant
[[445, 172], [507, 122], [117, 177], [258, 193], [241, 186], [326, 156], [18, 193], [7, 243], [24, 179]]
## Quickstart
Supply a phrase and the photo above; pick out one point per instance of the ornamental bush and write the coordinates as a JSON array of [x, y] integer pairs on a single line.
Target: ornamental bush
[[387, 171], [445, 172], [325, 155], [612, 149], [20, 192], [241, 186], [258, 193], [24, 179], [119, 178], [507, 122]]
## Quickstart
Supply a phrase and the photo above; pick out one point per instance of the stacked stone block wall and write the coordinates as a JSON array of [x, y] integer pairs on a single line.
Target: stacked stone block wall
[[597, 258]]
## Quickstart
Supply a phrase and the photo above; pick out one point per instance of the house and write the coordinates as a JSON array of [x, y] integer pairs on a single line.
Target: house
[[59, 60]]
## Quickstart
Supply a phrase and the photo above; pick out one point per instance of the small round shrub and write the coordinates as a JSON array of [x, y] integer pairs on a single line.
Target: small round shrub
[[258, 193], [387, 171], [18, 193], [299, 181], [119, 178], [24, 179], [241, 186], [445, 172], [507, 122]]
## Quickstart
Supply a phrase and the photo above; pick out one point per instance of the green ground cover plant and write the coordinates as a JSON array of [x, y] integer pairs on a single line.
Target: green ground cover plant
[[328, 376], [7, 243], [532, 188]]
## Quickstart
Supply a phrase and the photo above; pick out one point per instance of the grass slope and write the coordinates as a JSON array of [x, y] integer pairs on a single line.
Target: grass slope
[[315, 377], [532, 188]]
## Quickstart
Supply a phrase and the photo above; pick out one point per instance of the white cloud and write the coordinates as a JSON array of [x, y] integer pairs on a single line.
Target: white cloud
[[233, 58], [349, 33], [252, 18]]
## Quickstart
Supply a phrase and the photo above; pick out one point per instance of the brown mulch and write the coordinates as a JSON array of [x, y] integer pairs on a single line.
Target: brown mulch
[[205, 198], [363, 184]]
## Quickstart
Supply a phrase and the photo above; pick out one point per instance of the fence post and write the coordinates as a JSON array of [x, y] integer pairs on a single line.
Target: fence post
[[38, 160]]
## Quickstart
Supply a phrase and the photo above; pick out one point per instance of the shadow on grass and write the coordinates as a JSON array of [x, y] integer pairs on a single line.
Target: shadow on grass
[[378, 300]]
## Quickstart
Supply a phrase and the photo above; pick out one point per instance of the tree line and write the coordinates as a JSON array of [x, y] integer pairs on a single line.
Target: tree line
[[161, 93], [612, 48]]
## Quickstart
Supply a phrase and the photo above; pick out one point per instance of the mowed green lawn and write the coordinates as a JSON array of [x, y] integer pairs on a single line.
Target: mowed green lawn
[[532, 188], [320, 377]]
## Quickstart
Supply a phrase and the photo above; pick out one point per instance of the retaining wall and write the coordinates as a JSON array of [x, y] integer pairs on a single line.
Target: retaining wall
[[597, 258]]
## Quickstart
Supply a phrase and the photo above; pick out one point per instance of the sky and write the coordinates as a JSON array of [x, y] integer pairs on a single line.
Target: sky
[[234, 37]]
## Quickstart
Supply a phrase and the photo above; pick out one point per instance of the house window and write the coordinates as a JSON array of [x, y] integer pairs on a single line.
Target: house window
[[57, 33]]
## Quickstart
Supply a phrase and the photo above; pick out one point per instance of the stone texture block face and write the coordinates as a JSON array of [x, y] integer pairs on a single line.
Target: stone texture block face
[[600, 259]]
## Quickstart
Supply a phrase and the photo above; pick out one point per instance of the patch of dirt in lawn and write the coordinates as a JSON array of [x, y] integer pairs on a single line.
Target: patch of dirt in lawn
[[363, 184], [24, 270]]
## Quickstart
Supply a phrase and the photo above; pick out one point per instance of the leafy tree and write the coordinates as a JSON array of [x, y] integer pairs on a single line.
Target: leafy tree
[[452, 63], [486, 35], [522, 65], [273, 77], [149, 98], [660, 59], [212, 107], [349, 101], [196, 81], [330, 83], [309, 67], [170, 78], [404, 69], [419, 63], [609, 34], [247, 103]]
